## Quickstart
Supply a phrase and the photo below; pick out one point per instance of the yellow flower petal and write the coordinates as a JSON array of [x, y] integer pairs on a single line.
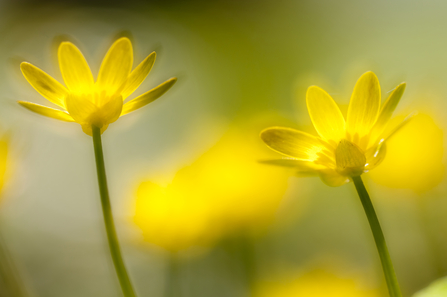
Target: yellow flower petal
[[332, 178], [44, 84], [387, 111], [138, 75], [293, 143], [85, 112], [325, 114], [375, 155], [349, 158], [47, 111], [364, 106], [116, 66], [81, 108], [393, 131], [75, 70], [302, 167], [148, 97]]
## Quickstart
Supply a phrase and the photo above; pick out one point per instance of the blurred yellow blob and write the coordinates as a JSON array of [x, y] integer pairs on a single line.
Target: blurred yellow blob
[[4, 159], [224, 191], [414, 157], [316, 283]]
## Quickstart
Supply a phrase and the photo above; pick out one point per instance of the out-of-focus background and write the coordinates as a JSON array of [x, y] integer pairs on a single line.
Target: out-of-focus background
[[196, 213]]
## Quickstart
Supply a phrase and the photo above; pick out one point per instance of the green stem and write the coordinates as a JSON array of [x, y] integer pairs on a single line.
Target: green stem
[[436, 253], [10, 282], [173, 285], [115, 251], [387, 265], [248, 259]]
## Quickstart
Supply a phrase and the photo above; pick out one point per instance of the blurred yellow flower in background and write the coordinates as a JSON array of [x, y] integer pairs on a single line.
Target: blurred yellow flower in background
[[85, 101], [4, 159], [421, 141], [316, 283], [344, 149], [10, 280], [225, 191]]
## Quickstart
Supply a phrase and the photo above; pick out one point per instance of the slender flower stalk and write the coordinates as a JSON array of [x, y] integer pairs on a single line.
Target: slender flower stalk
[[173, 285], [387, 265], [12, 284], [114, 247]]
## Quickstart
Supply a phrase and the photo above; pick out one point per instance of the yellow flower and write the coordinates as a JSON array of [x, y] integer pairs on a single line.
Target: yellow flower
[[224, 192], [85, 101], [344, 149]]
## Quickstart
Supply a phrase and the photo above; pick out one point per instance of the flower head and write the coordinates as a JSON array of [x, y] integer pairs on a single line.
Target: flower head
[[344, 148], [89, 102]]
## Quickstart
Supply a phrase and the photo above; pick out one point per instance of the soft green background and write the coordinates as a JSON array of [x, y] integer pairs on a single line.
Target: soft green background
[[234, 60]]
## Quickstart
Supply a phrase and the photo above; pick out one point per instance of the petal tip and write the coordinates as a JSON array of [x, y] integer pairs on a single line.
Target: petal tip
[[64, 46], [124, 38], [400, 88], [124, 41], [312, 88], [24, 64], [65, 43], [264, 133], [170, 82], [370, 75], [402, 85], [25, 67], [152, 56]]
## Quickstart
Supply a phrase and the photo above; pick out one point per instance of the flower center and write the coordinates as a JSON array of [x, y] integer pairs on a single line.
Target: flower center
[[350, 158], [97, 108]]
